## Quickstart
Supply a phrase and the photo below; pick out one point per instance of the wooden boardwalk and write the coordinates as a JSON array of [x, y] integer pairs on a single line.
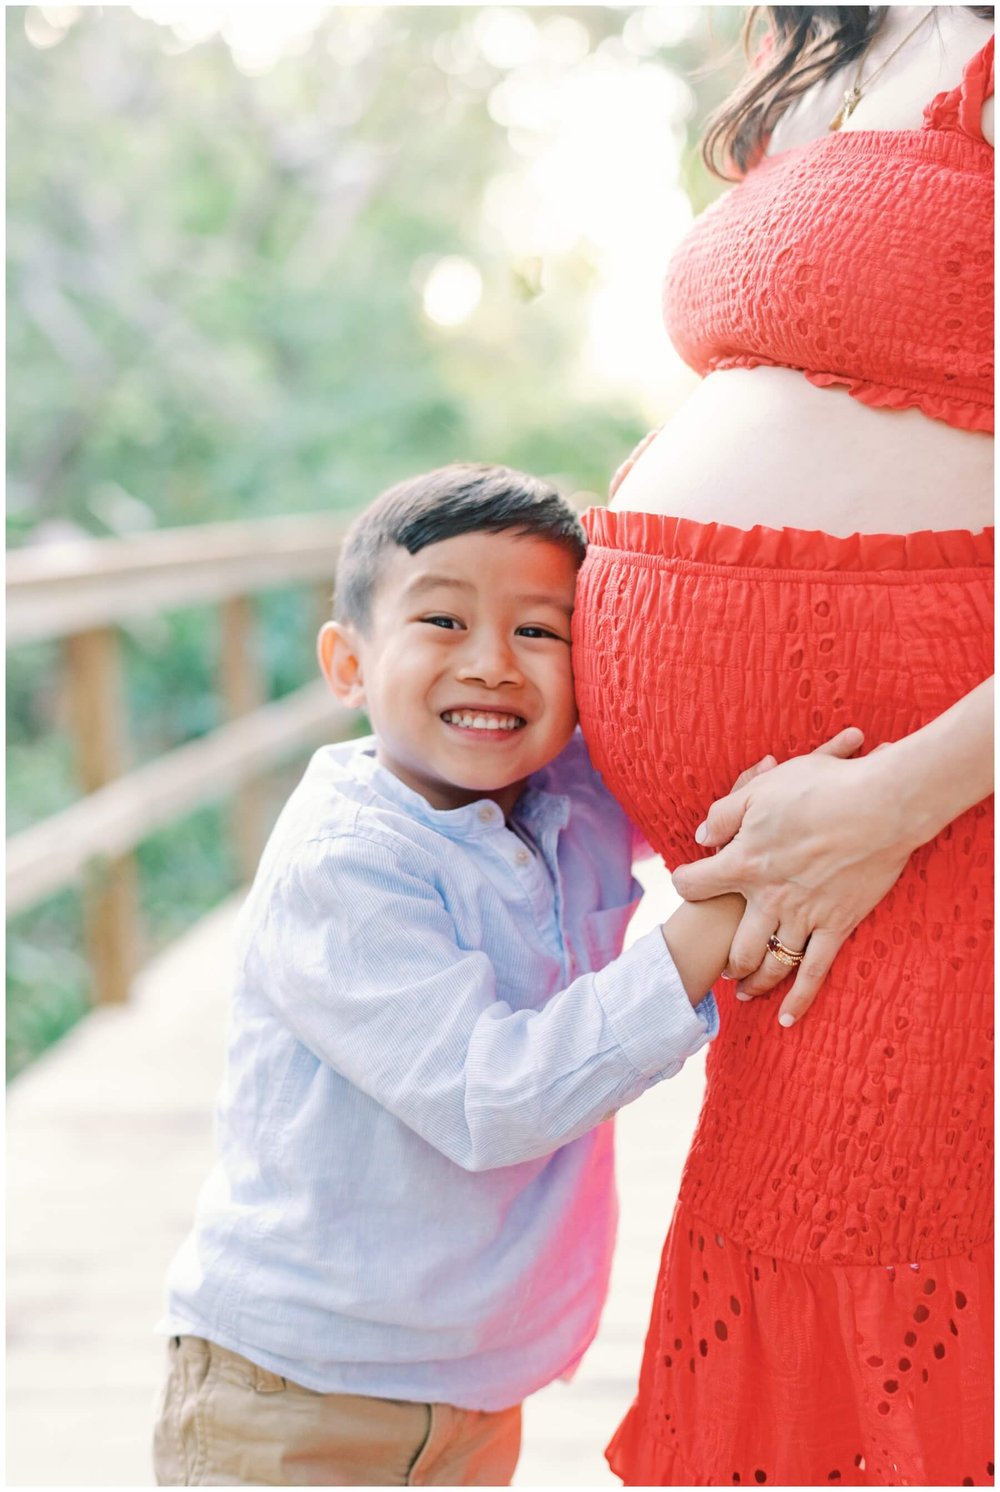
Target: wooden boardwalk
[[109, 1137]]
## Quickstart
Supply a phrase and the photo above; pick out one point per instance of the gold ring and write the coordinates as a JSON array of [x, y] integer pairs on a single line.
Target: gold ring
[[790, 956]]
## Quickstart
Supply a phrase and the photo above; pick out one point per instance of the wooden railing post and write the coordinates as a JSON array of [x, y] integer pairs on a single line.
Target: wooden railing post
[[109, 890], [242, 691]]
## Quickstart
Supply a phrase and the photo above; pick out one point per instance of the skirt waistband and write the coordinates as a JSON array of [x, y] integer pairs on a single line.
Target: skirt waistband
[[661, 536]]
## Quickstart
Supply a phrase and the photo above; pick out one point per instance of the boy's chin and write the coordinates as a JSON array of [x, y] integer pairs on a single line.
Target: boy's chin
[[484, 783]]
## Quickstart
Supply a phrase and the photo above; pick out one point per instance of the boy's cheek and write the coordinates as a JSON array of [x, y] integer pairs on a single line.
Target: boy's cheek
[[571, 714], [571, 709]]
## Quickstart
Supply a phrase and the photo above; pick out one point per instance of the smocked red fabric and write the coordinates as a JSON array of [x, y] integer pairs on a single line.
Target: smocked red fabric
[[824, 1307], [863, 258]]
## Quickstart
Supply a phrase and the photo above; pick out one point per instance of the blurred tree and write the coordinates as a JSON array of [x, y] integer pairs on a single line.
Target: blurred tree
[[251, 275], [214, 278]]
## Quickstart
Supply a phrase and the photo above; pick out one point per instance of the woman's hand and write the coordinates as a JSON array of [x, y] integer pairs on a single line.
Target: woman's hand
[[815, 843]]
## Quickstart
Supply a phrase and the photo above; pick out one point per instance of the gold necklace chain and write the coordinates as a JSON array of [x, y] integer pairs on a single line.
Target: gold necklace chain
[[855, 93]]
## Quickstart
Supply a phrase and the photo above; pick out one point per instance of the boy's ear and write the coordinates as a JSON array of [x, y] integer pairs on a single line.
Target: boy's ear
[[340, 662]]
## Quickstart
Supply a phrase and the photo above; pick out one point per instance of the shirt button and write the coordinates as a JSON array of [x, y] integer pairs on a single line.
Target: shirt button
[[486, 814], [523, 857]]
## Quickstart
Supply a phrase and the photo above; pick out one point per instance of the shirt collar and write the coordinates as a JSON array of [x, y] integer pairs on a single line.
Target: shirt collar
[[536, 806]]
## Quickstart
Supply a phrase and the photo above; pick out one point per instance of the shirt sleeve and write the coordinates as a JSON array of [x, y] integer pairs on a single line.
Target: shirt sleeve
[[360, 956]]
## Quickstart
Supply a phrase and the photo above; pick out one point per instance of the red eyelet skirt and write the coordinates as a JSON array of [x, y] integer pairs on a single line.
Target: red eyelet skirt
[[824, 1308]]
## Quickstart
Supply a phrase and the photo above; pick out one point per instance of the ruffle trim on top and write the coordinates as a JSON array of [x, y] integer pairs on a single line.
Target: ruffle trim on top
[[787, 548], [962, 107], [961, 414]]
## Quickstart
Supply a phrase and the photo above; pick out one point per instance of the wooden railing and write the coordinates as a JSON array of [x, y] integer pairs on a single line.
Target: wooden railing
[[82, 593]]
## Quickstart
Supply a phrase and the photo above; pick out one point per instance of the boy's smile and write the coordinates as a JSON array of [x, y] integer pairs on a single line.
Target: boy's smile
[[465, 669]]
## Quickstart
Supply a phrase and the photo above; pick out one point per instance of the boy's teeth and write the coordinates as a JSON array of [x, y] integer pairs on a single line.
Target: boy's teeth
[[470, 721]]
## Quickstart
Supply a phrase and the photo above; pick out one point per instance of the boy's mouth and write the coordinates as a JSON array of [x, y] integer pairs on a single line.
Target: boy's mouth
[[483, 720]]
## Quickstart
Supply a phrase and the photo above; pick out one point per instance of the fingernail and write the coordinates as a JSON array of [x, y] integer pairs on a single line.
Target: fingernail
[[742, 995], [786, 1019], [730, 977], [701, 834]]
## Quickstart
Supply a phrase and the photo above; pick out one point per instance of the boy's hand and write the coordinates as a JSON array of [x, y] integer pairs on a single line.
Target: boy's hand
[[699, 934]]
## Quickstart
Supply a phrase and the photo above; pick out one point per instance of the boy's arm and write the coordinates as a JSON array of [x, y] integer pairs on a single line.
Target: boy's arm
[[360, 957], [698, 937]]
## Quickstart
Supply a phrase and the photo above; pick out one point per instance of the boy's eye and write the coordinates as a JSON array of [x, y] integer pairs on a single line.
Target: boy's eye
[[539, 632], [440, 621]]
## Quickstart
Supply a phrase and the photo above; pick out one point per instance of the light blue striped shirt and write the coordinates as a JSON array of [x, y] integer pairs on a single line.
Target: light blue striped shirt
[[414, 1197]]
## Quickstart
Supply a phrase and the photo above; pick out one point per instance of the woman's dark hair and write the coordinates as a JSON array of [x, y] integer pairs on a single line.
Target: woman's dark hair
[[438, 505], [810, 43]]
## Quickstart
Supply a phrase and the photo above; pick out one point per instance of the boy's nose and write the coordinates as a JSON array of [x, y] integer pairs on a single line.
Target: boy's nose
[[489, 661]]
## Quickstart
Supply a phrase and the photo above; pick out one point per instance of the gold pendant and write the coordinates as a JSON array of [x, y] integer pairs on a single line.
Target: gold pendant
[[851, 100]]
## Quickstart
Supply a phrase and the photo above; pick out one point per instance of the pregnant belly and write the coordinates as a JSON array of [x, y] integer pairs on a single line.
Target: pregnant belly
[[699, 648], [764, 446]]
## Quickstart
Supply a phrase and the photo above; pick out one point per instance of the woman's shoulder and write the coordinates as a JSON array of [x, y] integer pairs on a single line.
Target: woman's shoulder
[[934, 61]]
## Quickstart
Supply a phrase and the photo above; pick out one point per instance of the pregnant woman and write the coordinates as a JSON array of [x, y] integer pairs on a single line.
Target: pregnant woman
[[804, 547]]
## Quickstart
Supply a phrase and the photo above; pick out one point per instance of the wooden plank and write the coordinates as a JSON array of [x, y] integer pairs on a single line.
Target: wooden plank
[[110, 901], [242, 690], [54, 590], [110, 821]]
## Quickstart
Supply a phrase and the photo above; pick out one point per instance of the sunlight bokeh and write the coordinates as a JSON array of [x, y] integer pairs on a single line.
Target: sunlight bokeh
[[452, 291], [597, 135]]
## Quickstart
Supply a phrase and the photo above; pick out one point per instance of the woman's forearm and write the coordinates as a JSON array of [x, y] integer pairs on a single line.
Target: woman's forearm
[[942, 769]]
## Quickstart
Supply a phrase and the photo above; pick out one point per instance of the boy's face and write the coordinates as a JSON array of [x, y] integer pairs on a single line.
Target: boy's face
[[465, 673]]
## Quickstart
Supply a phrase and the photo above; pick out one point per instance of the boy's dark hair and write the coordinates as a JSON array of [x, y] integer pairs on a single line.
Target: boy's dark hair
[[442, 504]]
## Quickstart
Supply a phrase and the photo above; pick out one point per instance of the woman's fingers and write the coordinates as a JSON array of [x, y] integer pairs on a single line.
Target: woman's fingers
[[724, 818], [773, 970], [822, 950], [749, 941], [845, 743], [700, 879]]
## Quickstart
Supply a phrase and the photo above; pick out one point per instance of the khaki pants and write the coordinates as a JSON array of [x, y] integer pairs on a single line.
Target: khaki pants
[[224, 1422]]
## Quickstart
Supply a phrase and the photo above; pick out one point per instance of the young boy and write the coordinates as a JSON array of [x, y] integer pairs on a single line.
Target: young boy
[[410, 1225]]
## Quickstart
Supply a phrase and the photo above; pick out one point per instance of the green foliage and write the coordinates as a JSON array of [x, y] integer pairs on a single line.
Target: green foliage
[[215, 312], [40, 773], [184, 870], [47, 978], [287, 622]]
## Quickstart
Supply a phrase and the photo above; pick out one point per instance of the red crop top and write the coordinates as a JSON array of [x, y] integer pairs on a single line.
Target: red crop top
[[862, 258]]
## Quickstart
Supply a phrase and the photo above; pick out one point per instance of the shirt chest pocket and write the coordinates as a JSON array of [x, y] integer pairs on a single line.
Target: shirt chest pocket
[[604, 932]]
